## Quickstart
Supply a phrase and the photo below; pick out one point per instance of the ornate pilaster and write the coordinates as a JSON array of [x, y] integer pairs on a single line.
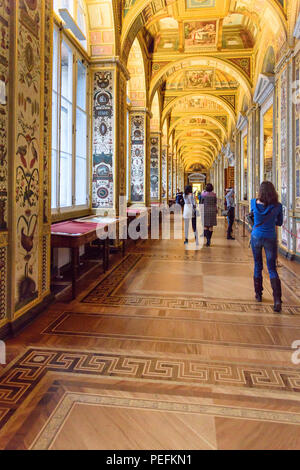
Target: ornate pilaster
[[155, 166], [164, 173], [139, 157], [109, 138]]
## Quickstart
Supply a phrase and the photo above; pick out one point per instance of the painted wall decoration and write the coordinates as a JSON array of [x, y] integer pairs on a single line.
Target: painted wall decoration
[[103, 140], [199, 35], [191, 4], [4, 74], [28, 136], [200, 79], [154, 168], [297, 137], [4, 120], [170, 175], [137, 172], [244, 63], [164, 172], [284, 153], [47, 111]]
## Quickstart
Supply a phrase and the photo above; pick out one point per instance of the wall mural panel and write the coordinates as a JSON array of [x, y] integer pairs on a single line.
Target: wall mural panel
[[103, 139], [170, 177], [154, 167], [284, 153], [4, 120], [46, 240], [200, 35], [4, 74], [28, 137], [137, 174], [164, 172], [297, 137]]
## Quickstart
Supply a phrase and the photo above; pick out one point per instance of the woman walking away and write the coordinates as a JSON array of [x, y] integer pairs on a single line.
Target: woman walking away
[[267, 212], [189, 213], [209, 199]]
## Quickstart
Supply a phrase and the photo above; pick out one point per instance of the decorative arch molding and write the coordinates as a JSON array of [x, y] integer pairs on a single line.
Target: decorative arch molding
[[211, 119], [199, 131], [200, 140], [197, 159], [265, 86], [196, 148], [208, 61], [216, 99], [138, 81], [293, 21], [144, 11], [242, 122]]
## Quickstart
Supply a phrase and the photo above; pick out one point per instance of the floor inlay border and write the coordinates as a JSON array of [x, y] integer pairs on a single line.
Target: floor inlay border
[[54, 329], [46, 437], [18, 381], [103, 293]]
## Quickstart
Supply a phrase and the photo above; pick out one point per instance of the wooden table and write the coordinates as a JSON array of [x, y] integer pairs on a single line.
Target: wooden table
[[73, 235], [107, 222]]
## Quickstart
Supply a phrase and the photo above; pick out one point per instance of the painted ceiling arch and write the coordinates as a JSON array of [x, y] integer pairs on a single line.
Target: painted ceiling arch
[[138, 13], [136, 85], [197, 158], [189, 133], [204, 118], [187, 140], [200, 96], [200, 63], [196, 145]]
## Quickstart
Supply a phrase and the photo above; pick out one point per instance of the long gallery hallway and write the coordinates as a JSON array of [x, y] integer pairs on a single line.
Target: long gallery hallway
[[168, 350]]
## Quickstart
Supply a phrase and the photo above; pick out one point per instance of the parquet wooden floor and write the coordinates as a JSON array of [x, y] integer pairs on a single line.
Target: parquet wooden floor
[[168, 350]]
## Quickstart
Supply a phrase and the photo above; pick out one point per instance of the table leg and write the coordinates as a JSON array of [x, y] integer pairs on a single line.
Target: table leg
[[107, 253], [104, 255], [75, 257]]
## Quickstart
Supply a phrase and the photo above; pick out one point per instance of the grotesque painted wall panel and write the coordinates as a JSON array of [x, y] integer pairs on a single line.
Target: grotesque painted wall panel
[[28, 135], [164, 169], [154, 168], [4, 120], [103, 140], [284, 152], [137, 175]]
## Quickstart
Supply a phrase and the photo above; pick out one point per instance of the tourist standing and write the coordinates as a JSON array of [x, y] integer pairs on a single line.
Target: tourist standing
[[209, 199], [267, 214], [230, 206], [189, 214]]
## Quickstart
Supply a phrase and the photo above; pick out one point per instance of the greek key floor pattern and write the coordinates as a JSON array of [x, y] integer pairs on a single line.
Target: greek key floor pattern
[[167, 350]]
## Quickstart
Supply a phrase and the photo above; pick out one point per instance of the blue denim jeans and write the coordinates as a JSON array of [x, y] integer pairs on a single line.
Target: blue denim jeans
[[270, 246]]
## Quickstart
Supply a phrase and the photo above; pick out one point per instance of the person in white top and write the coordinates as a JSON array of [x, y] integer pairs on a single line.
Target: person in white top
[[189, 213]]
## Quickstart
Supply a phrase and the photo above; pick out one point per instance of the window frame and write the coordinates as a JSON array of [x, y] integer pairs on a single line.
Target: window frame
[[76, 56]]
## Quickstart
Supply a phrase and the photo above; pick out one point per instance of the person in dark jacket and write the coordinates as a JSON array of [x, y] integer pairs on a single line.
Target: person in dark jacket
[[230, 206], [179, 198], [268, 214], [209, 199]]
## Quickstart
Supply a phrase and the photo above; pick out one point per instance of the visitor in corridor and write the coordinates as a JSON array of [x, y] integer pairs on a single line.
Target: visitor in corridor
[[189, 213], [230, 207], [267, 214], [179, 198], [209, 199]]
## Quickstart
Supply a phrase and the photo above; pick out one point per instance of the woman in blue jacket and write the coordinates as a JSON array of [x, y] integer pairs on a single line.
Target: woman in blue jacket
[[268, 214]]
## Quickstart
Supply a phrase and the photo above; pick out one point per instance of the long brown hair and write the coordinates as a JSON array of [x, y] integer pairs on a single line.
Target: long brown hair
[[268, 194]]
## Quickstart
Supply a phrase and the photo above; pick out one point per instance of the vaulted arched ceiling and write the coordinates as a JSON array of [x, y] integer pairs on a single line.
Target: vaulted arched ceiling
[[204, 58]]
